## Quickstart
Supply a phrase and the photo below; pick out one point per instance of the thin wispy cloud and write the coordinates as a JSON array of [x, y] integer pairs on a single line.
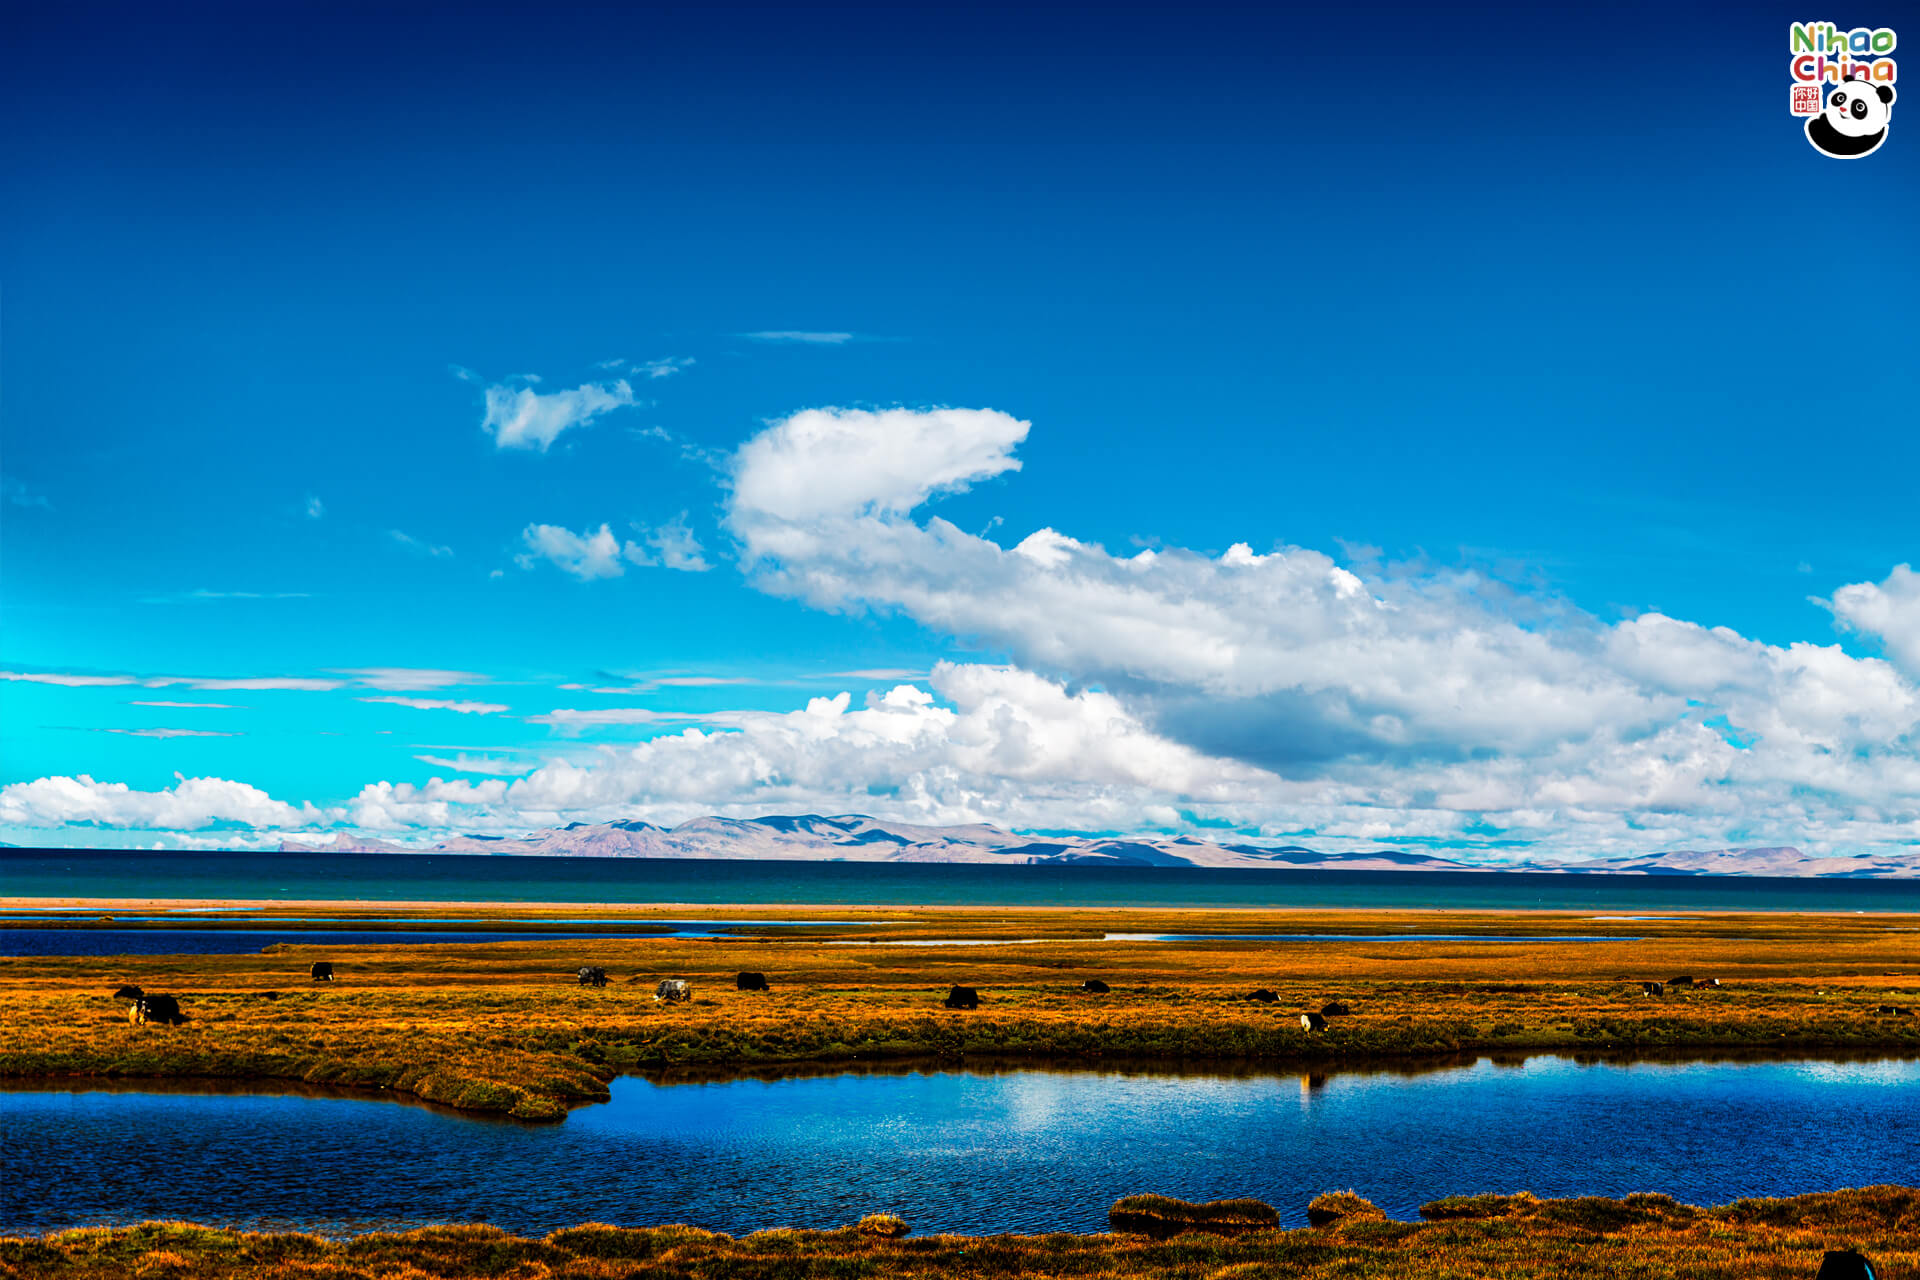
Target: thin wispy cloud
[[386, 679], [441, 704], [410, 679], [490, 766], [197, 706], [204, 596], [18, 495], [172, 733], [419, 546], [315, 508], [810, 337]]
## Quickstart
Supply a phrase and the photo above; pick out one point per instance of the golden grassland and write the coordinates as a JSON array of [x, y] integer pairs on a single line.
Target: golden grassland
[[503, 1028], [1645, 1237]]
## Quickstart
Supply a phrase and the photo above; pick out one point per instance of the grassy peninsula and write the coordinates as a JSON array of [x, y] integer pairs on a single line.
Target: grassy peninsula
[[503, 1028]]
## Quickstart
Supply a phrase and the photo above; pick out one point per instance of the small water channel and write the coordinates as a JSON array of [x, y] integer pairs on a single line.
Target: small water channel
[[960, 1150]]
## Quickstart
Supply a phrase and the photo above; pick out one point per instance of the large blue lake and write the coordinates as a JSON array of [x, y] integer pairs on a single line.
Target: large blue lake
[[1021, 1150], [70, 873]]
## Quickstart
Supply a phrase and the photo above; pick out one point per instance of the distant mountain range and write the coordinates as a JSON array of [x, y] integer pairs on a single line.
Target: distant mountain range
[[854, 838]]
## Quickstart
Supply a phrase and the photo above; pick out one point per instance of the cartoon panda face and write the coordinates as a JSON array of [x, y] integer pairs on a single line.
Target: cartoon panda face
[[1858, 109], [1854, 122]]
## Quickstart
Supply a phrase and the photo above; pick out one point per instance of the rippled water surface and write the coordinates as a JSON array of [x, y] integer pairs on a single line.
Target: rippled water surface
[[960, 1151]]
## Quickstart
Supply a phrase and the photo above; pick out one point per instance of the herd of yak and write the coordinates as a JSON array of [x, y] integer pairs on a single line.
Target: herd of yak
[[145, 1007]]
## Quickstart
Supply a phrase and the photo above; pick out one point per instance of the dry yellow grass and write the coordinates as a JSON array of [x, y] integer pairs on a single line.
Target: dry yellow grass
[[1513, 1237], [503, 1028]]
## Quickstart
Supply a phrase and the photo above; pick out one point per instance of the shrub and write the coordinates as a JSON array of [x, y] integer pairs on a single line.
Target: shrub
[[1342, 1206], [884, 1225], [1163, 1216]]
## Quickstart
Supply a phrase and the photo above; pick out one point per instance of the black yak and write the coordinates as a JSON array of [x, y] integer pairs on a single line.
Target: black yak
[[162, 1009], [750, 982], [1335, 1010], [592, 977], [1095, 987], [1262, 995], [1313, 1022], [962, 998], [322, 971], [128, 993]]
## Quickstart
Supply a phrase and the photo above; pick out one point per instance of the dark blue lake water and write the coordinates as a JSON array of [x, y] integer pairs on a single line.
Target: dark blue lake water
[[957, 1151], [233, 942], [69, 873]]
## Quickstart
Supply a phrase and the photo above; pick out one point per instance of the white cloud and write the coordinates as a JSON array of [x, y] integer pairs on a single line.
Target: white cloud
[[203, 706], [522, 418], [841, 464], [410, 679], [439, 704], [599, 554], [419, 546], [671, 545], [491, 765], [189, 805], [1412, 699], [172, 733], [812, 337], [315, 508], [584, 555], [67, 680], [1887, 612]]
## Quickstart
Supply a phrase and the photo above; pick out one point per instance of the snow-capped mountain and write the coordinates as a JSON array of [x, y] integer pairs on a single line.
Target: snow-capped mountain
[[856, 838]]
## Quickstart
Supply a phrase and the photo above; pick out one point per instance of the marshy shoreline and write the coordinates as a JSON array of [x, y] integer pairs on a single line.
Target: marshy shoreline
[[1515, 1236]]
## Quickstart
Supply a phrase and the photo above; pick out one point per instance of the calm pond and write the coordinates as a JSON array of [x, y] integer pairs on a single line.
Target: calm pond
[[961, 1150]]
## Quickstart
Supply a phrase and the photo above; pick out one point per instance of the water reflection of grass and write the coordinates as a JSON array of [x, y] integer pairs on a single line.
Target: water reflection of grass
[[1518, 1237], [502, 1028]]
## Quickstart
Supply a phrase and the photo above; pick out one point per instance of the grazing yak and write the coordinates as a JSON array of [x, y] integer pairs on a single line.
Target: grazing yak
[[1262, 995], [1313, 1022], [1706, 982], [750, 982], [1652, 989], [162, 1009], [673, 991], [322, 971], [1335, 1010], [128, 993], [962, 998], [1095, 987], [592, 977], [1844, 1264]]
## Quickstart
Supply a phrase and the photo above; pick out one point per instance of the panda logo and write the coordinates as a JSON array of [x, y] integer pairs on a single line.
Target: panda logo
[[1855, 121]]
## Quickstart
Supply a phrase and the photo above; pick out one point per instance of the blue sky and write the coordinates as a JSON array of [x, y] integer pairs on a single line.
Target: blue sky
[[1550, 330]]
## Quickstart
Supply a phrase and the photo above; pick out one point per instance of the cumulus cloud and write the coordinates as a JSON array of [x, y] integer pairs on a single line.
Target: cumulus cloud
[[839, 464], [439, 704], [584, 555], [189, 805], [1425, 701], [599, 554], [1012, 747], [1887, 612], [519, 417]]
